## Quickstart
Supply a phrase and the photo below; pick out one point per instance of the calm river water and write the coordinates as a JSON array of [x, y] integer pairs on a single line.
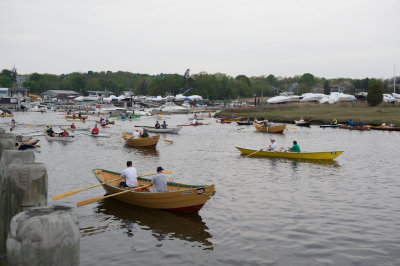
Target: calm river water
[[265, 211]]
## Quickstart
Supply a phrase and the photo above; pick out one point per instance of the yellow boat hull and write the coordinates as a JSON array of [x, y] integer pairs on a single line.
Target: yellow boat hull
[[149, 142], [293, 155], [180, 197], [6, 115]]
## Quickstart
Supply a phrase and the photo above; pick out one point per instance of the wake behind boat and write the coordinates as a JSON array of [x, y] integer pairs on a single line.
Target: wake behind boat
[[328, 155], [57, 138], [179, 198]]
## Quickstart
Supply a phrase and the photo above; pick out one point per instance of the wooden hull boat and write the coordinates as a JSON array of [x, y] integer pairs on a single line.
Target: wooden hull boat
[[57, 138], [302, 124], [332, 126], [244, 123], [84, 117], [354, 128], [107, 122], [171, 130], [272, 129], [293, 155], [198, 124], [150, 142], [385, 128], [224, 122], [179, 198], [6, 115]]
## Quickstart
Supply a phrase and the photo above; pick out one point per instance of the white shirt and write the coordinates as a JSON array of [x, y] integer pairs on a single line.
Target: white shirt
[[194, 121], [135, 135], [130, 174], [274, 146]]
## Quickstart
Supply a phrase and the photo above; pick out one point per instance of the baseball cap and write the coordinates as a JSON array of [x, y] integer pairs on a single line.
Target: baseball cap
[[159, 169]]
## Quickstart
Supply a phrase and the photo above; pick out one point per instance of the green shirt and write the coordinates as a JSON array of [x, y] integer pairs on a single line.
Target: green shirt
[[295, 148]]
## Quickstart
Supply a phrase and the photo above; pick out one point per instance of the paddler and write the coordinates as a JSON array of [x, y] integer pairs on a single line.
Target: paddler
[[95, 130], [73, 126]]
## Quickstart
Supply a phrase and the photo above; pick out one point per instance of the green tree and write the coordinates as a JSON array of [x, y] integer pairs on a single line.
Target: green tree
[[327, 91], [32, 85], [5, 81], [375, 92], [273, 80]]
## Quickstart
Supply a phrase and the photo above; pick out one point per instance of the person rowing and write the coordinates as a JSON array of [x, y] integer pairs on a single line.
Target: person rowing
[[50, 132], [164, 125], [130, 176], [194, 122], [64, 134], [157, 125], [135, 134], [144, 134], [159, 181], [73, 126], [295, 147], [273, 146], [95, 130]]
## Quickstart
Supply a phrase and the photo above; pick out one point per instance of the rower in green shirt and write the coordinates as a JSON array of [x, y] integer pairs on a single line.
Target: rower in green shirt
[[295, 147]]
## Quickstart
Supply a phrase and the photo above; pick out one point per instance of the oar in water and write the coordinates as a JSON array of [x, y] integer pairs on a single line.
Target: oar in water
[[241, 128], [170, 141], [67, 194], [119, 137], [256, 151], [86, 202]]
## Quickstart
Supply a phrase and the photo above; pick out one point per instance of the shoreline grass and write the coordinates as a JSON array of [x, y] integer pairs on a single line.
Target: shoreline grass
[[319, 113]]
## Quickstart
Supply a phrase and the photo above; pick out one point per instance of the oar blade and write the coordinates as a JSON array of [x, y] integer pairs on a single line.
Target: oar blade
[[86, 202], [64, 195]]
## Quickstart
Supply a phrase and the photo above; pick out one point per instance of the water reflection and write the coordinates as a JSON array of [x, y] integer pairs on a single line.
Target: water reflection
[[141, 151], [297, 162], [163, 224]]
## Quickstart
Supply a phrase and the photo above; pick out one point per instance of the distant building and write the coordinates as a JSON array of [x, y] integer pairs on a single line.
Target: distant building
[[60, 94], [10, 103], [3, 92], [341, 87]]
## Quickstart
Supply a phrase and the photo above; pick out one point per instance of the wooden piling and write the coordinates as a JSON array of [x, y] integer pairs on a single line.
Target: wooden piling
[[23, 185], [44, 236]]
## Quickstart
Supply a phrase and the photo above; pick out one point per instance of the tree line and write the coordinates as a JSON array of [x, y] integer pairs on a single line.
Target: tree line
[[216, 86]]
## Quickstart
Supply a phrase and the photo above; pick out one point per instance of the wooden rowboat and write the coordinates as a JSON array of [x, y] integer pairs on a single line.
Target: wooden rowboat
[[107, 122], [271, 129], [224, 122], [6, 115], [84, 117], [179, 198], [302, 124], [385, 128], [354, 128], [171, 130], [150, 142], [330, 155], [332, 126]]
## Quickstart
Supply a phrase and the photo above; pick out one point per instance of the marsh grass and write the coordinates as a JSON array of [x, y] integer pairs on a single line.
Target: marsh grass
[[320, 113]]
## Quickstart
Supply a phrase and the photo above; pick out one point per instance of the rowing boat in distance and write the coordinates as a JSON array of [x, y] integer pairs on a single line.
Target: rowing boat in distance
[[198, 124], [384, 128], [84, 117], [149, 142], [171, 130], [270, 129], [244, 123], [329, 155], [331, 126], [57, 138], [302, 124], [354, 128], [179, 198]]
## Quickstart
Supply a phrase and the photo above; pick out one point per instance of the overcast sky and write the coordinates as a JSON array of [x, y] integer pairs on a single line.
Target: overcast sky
[[341, 38]]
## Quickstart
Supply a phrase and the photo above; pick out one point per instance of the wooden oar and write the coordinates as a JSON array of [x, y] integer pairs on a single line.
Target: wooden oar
[[241, 128], [119, 137], [86, 202], [170, 141], [67, 194], [256, 151]]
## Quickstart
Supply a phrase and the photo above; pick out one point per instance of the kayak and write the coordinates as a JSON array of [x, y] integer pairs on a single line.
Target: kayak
[[332, 126], [244, 123], [198, 124], [179, 198], [107, 122], [56, 138], [328, 155]]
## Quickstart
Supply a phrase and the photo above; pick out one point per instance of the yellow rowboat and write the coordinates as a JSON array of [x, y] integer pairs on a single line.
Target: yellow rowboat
[[329, 155], [6, 115], [149, 142], [179, 198], [271, 129]]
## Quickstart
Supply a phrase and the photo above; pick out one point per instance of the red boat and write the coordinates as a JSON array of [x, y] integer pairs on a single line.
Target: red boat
[[198, 124]]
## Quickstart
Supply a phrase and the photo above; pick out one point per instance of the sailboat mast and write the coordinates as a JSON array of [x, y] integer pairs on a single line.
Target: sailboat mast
[[394, 79]]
